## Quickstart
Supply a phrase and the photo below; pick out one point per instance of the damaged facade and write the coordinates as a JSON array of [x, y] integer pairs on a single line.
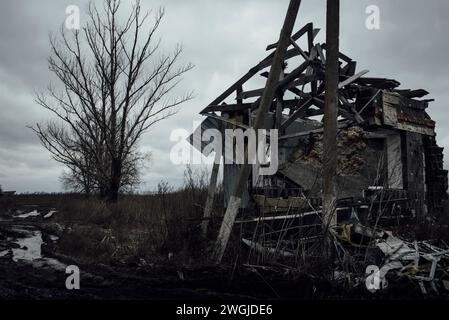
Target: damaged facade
[[390, 168]]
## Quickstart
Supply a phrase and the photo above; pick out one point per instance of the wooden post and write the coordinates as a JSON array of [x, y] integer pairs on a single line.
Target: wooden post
[[279, 105], [330, 119], [210, 196], [267, 98]]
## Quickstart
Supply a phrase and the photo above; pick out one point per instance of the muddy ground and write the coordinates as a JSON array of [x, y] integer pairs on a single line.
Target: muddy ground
[[32, 266]]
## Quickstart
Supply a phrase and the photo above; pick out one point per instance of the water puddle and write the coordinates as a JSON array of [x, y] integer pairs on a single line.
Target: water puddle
[[29, 249], [33, 213], [30, 246]]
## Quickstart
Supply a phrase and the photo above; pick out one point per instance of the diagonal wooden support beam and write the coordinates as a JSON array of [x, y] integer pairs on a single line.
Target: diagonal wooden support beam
[[301, 52], [210, 195], [265, 103], [307, 28], [297, 114], [352, 79]]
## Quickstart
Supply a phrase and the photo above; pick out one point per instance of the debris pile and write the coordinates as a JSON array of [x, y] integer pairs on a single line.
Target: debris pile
[[386, 256]]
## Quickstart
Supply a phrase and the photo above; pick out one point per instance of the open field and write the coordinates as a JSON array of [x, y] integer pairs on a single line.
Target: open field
[[151, 250]]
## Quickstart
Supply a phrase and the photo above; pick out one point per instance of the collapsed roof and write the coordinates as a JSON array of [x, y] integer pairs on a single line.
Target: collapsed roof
[[378, 122]]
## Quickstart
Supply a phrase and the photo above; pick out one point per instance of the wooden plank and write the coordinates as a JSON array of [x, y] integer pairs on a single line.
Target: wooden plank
[[265, 103], [342, 124], [238, 91], [250, 93], [228, 107], [340, 55], [294, 74], [295, 36], [281, 84], [302, 53], [279, 105], [419, 93], [330, 122], [268, 60], [350, 80], [233, 122], [390, 115], [302, 80], [319, 49], [210, 196], [394, 161], [381, 83], [297, 114], [293, 90], [349, 68], [235, 86], [291, 202]]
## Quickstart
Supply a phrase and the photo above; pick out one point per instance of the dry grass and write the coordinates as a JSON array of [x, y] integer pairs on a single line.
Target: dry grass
[[137, 227], [151, 227], [157, 227]]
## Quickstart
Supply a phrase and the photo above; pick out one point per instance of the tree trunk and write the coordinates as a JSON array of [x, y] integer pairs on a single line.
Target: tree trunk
[[116, 175]]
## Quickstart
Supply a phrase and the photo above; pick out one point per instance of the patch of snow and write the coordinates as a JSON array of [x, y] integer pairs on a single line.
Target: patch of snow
[[33, 213], [50, 214], [3, 253]]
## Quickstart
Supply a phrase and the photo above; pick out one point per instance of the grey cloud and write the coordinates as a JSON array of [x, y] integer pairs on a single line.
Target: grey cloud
[[223, 39]]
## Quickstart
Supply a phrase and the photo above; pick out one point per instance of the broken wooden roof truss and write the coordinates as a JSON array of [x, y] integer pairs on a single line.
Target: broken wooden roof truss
[[357, 93]]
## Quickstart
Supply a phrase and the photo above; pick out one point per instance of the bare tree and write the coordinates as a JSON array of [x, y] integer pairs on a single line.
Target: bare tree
[[115, 87]]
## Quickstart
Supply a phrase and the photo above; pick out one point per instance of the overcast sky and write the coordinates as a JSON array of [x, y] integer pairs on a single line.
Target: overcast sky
[[223, 38]]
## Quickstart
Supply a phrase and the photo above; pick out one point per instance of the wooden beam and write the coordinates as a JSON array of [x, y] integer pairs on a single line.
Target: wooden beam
[[250, 93], [297, 114], [340, 55], [319, 49], [210, 195], [238, 84], [341, 124], [295, 36], [279, 104], [330, 121], [293, 90], [301, 52], [349, 68], [302, 80], [352, 79], [228, 107], [265, 103], [233, 122], [294, 74]]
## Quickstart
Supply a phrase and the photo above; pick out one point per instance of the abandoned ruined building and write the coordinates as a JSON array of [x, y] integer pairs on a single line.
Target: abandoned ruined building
[[386, 139], [389, 167]]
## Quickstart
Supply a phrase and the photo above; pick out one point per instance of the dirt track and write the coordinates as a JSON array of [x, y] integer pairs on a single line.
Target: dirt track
[[43, 276]]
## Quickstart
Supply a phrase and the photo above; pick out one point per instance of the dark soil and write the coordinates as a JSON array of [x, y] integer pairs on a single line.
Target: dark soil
[[158, 280]]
